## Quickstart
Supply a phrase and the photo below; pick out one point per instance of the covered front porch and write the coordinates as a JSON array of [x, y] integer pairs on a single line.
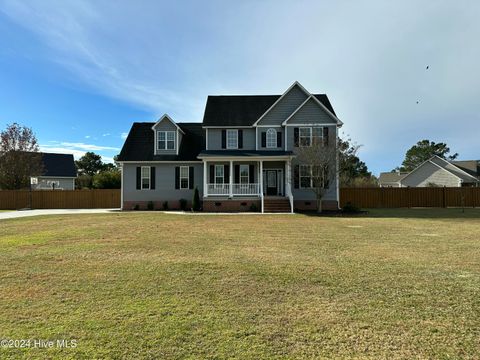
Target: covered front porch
[[239, 178]]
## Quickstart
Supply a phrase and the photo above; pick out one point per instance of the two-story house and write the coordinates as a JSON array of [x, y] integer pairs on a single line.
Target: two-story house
[[241, 157]]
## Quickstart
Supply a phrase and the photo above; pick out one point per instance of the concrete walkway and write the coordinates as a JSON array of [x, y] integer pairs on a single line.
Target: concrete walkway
[[25, 213]]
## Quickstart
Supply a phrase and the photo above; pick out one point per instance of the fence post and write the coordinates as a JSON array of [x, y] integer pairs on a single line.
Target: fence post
[[444, 197]]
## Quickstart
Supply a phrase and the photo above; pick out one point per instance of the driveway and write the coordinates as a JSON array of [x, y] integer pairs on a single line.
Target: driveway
[[26, 213]]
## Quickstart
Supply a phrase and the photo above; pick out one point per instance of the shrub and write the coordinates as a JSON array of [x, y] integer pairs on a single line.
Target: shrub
[[111, 179], [136, 207], [165, 205], [150, 205], [196, 200], [350, 208], [253, 207], [183, 204]]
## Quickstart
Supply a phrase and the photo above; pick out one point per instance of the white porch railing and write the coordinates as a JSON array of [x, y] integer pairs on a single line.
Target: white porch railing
[[246, 189], [237, 189], [218, 189]]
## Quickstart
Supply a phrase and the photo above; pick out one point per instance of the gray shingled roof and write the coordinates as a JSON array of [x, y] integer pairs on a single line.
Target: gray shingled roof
[[139, 143], [243, 110], [391, 177]]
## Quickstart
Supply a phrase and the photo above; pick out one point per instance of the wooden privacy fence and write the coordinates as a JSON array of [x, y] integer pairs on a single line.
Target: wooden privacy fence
[[410, 197], [59, 199]]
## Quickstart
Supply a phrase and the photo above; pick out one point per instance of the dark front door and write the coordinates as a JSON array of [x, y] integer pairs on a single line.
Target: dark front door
[[272, 182]]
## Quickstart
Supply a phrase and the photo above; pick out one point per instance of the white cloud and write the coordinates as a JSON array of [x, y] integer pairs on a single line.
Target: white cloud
[[106, 134], [87, 147], [124, 135], [87, 136]]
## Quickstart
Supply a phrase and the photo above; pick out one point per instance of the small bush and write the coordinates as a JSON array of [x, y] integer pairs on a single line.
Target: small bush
[[136, 207], [150, 205], [165, 205], [196, 200], [253, 207], [183, 204], [350, 208]]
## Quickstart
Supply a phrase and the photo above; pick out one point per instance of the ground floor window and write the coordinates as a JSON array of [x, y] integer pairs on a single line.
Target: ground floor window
[[145, 177], [244, 174], [184, 177], [219, 174], [305, 176]]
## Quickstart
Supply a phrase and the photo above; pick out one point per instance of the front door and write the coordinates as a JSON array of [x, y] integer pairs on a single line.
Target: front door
[[272, 182]]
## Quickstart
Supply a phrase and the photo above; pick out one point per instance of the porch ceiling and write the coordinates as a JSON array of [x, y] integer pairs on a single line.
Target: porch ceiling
[[210, 154]]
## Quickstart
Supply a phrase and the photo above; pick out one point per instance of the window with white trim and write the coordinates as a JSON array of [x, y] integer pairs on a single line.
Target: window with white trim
[[271, 138], [317, 135], [166, 140], [219, 174], [184, 177], [305, 176], [145, 177], [305, 136], [244, 174], [232, 139]]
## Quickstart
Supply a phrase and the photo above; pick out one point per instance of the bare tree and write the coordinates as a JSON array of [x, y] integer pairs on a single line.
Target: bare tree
[[19, 157], [317, 165]]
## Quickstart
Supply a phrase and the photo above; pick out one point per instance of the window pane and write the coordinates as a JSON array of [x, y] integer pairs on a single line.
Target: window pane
[[232, 140], [161, 145], [305, 141], [305, 131], [170, 145], [161, 135], [219, 170], [146, 172], [184, 183], [317, 131], [184, 171], [304, 170], [305, 182], [171, 135], [145, 183], [271, 138]]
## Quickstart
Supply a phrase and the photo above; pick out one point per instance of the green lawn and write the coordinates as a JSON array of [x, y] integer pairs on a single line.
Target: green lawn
[[394, 284]]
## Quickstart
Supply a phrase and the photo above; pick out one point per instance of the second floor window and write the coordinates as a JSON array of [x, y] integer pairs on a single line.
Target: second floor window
[[232, 139], [166, 140], [305, 136], [271, 138]]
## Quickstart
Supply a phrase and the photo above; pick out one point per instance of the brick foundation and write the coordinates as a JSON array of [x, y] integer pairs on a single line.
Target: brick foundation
[[311, 205], [157, 205], [229, 205]]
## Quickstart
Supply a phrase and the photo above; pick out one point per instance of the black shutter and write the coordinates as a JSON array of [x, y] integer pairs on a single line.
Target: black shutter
[[264, 139], [139, 178], [251, 174], [240, 139], [325, 136], [190, 177], [177, 177], [279, 139], [212, 174], [295, 137], [224, 139], [237, 174], [296, 176], [152, 178], [226, 174]]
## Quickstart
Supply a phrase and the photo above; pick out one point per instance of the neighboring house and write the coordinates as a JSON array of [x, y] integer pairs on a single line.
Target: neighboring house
[[240, 157], [391, 179], [436, 172], [59, 172]]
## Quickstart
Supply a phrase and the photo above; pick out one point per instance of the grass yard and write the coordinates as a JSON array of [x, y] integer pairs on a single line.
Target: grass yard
[[395, 284]]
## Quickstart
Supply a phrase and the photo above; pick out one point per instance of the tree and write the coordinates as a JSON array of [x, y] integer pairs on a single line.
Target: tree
[[19, 157], [110, 179], [422, 151], [196, 200], [89, 164], [352, 170], [317, 167]]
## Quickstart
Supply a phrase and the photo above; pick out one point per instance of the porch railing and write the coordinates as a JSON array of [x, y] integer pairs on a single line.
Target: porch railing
[[237, 189]]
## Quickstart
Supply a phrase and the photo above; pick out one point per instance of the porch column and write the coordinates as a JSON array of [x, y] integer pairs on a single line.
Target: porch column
[[230, 171], [288, 178], [261, 184], [205, 180]]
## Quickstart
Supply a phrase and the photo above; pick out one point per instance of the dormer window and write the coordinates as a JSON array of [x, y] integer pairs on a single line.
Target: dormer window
[[166, 140], [232, 139]]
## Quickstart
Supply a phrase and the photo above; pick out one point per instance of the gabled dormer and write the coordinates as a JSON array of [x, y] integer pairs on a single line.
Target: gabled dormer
[[167, 136]]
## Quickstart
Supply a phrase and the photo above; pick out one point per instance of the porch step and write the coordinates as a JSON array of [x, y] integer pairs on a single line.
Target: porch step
[[276, 205]]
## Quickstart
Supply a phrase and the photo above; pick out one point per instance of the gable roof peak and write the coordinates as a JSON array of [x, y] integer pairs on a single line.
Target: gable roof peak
[[166, 116]]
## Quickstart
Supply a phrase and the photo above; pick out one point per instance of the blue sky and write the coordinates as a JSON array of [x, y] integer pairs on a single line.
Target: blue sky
[[80, 72]]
